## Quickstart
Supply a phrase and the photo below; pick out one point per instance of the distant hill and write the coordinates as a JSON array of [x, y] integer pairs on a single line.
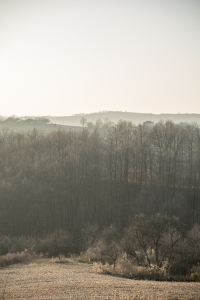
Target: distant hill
[[50, 123], [115, 116], [28, 124]]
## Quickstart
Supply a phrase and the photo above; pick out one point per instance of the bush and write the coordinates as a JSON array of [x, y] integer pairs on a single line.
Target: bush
[[13, 258], [126, 268], [195, 274], [16, 244], [104, 248], [187, 255], [89, 235], [152, 240], [5, 245], [56, 244], [94, 253]]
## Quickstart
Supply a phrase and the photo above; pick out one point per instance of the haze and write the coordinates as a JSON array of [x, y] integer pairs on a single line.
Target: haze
[[67, 57]]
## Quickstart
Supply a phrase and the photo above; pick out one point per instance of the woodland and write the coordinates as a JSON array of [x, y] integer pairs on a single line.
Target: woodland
[[107, 177], [70, 179]]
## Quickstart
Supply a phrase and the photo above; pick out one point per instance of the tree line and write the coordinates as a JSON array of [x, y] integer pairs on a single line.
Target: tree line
[[26, 120], [67, 180]]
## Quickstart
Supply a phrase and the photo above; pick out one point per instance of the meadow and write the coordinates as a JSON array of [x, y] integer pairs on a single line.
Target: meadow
[[49, 279]]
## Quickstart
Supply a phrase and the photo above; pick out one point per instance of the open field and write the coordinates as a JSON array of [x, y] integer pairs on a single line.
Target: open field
[[49, 280]]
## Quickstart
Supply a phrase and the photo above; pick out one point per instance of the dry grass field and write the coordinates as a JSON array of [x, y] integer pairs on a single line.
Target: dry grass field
[[44, 279]]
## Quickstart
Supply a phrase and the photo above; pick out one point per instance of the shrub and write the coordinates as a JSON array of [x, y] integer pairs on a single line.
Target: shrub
[[104, 248], [89, 235], [5, 245], [155, 239], [12, 258], [187, 254], [126, 268], [195, 274], [16, 244], [56, 244]]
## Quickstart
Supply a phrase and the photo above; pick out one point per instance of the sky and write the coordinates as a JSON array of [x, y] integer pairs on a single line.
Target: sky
[[64, 57]]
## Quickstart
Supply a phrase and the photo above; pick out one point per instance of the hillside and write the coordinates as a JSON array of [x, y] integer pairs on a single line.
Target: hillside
[[48, 124], [25, 127], [115, 116]]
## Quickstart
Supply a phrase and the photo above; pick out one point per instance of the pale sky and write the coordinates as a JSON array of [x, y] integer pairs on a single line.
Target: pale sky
[[62, 57]]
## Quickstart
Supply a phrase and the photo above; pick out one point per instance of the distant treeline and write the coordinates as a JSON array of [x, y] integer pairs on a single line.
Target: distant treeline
[[115, 116], [28, 120], [67, 180]]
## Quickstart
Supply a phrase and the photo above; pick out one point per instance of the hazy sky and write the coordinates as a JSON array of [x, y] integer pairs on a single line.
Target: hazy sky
[[61, 57]]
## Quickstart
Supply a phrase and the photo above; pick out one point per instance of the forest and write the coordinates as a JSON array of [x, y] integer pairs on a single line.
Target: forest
[[107, 189], [67, 180]]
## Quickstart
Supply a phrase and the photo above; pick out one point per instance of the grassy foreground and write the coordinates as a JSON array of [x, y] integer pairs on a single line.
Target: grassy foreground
[[48, 279]]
